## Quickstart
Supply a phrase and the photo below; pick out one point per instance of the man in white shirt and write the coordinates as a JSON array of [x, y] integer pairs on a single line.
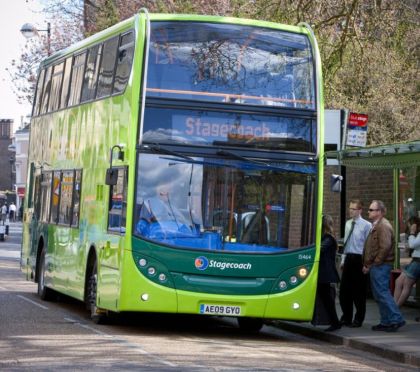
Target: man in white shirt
[[12, 211], [353, 280]]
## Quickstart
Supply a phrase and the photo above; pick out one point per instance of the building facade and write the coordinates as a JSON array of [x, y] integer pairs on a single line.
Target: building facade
[[20, 146], [7, 171]]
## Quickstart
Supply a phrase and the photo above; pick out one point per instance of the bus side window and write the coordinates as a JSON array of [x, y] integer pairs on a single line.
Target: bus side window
[[77, 187], [77, 79], [37, 196], [56, 187], [38, 96], [66, 82], [45, 198], [106, 71], [118, 202], [46, 91], [124, 62], [66, 197], [56, 80], [91, 73]]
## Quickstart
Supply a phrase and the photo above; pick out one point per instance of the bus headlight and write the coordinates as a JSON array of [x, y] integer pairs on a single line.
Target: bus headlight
[[303, 272], [162, 277], [293, 279], [151, 270]]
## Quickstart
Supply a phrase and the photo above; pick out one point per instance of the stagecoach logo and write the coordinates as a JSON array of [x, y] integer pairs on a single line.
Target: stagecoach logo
[[202, 263]]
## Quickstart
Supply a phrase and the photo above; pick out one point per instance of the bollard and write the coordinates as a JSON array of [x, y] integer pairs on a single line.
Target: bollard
[[2, 231], [7, 226]]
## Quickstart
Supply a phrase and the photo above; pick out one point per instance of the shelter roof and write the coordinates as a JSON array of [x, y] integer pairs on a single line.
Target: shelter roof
[[397, 155]]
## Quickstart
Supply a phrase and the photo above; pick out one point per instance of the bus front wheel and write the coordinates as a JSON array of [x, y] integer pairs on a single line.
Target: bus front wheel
[[44, 292], [97, 315]]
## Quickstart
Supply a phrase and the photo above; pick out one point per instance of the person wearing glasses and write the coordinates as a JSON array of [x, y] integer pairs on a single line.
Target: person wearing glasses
[[378, 259], [411, 273], [353, 281]]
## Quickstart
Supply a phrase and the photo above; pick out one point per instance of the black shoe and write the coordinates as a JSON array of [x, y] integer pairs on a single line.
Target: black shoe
[[380, 327], [394, 326], [333, 328], [345, 323], [356, 324]]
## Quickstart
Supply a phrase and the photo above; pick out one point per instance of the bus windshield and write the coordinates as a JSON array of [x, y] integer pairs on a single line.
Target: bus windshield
[[230, 63], [224, 205]]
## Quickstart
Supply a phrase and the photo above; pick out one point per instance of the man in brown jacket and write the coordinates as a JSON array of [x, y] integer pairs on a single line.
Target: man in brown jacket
[[378, 259]]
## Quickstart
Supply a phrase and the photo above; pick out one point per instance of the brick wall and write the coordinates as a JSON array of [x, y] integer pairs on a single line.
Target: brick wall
[[362, 184], [332, 199]]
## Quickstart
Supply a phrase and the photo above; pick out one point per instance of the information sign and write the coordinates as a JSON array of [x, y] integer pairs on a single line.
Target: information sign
[[357, 130]]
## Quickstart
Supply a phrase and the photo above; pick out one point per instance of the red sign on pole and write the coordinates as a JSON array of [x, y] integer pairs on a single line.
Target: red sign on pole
[[358, 120], [21, 192], [357, 129]]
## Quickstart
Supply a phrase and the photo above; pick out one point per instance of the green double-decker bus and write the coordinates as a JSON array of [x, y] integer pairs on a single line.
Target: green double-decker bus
[[176, 167]]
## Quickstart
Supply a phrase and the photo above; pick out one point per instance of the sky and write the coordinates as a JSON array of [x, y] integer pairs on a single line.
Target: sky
[[13, 15]]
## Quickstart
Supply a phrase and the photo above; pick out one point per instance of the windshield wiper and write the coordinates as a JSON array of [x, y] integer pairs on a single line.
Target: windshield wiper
[[239, 157], [162, 150]]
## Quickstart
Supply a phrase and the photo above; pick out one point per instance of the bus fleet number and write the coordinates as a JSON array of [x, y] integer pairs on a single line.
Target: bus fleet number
[[304, 257]]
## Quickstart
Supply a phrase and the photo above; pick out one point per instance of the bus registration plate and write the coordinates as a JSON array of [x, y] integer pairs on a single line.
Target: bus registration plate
[[226, 310]]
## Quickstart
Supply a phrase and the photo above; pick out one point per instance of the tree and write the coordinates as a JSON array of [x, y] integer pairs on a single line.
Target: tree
[[66, 29], [369, 49]]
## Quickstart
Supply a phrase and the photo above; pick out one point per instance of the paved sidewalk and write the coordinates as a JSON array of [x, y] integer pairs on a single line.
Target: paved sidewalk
[[402, 346]]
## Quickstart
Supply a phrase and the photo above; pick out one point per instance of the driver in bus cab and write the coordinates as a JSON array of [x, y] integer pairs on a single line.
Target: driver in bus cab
[[160, 211], [159, 207]]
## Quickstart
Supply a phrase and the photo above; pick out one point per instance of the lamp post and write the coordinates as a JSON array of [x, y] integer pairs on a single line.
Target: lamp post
[[30, 31]]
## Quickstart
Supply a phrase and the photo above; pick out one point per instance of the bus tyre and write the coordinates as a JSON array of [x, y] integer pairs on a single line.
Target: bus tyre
[[250, 325], [97, 315], [44, 292]]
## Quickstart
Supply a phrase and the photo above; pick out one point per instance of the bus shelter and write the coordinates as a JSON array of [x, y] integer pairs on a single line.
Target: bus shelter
[[403, 161]]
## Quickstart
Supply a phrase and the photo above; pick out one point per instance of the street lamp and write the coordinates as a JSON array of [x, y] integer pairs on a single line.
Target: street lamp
[[30, 31]]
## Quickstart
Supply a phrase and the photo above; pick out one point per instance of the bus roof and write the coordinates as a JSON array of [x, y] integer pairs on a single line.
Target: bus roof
[[134, 20]]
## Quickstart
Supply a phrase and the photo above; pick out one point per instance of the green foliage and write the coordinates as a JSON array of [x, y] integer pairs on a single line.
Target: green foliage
[[107, 15], [369, 48]]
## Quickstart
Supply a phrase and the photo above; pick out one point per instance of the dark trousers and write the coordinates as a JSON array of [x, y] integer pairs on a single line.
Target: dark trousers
[[353, 289], [328, 300]]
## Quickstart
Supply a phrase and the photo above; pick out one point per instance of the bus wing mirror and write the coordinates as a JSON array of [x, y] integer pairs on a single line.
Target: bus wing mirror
[[111, 176], [336, 181]]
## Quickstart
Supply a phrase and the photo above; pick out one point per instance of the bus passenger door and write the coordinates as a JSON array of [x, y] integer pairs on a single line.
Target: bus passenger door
[[111, 251], [32, 220]]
